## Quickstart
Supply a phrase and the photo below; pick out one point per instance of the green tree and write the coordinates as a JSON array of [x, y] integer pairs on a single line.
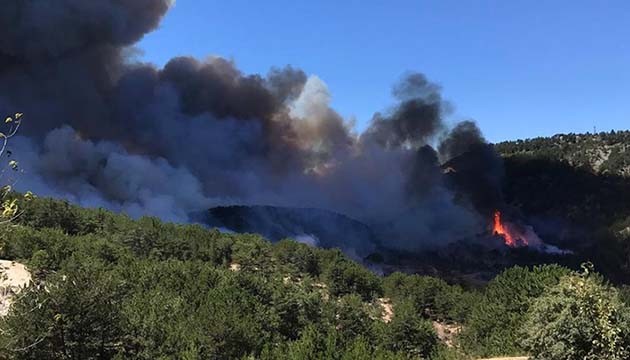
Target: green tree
[[579, 319], [409, 333], [492, 327], [432, 297], [73, 316], [302, 256], [346, 277]]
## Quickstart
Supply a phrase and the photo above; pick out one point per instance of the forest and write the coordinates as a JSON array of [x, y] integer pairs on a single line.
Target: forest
[[311, 194], [579, 185], [106, 286], [604, 152]]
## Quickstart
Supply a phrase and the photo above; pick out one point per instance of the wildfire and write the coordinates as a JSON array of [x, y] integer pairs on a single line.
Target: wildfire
[[511, 238], [521, 235]]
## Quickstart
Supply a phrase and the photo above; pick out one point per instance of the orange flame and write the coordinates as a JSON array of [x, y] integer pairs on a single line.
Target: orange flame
[[501, 229]]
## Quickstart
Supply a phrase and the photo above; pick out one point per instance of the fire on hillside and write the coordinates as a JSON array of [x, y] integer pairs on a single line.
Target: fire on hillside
[[511, 236], [517, 235]]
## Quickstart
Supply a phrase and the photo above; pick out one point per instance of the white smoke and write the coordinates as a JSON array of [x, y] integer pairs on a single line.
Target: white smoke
[[308, 239]]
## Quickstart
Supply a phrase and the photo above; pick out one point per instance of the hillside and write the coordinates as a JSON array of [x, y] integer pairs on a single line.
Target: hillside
[[602, 153], [575, 190], [543, 183], [106, 286]]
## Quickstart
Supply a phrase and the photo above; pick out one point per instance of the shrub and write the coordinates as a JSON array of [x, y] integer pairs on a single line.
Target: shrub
[[492, 328], [580, 318], [409, 333]]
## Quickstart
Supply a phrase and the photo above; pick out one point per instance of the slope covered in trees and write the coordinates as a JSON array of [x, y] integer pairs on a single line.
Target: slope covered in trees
[[575, 190], [606, 153], [106, 286]]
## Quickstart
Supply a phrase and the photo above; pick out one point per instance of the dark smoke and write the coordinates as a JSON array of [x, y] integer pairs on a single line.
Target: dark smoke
[[36, 31], [104, 130], [461, 139], [416, 119]]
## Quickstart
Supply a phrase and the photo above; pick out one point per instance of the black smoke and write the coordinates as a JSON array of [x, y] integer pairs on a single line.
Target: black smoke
[[106, 130], [461, 139]]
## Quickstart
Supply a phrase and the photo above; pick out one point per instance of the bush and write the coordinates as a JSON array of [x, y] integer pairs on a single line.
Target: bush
[[492, 327], [74, 316], [409, 333], [580, 318], [299, 255], [432, 297], [346, 277], [106, 286]]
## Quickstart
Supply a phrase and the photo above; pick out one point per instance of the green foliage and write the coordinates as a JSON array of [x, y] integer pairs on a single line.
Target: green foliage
[[603, 152], [444, 352], [409, 333], [324, 344], [492, 328], [110, 287], [9, 172], [346, 277], [624, 294], [579, 183], [432, 297], [580, 318], [303, 257], [70, 316]]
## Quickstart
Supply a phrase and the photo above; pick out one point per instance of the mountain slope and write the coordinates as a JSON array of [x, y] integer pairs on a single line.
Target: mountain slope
[[575, 190], [602, 153]]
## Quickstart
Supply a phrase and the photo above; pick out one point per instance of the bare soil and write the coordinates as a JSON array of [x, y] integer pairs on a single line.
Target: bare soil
[[13, 278], [447, 332]]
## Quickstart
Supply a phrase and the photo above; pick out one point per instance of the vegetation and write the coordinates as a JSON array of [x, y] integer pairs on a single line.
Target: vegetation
[[111, 287], [606, 153], [108, 286], [579, 318], [494, 323], [8, 205], [576, 187]]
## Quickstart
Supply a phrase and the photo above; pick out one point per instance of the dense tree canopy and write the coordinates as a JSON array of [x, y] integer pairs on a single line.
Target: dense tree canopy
[[107, 286], [581, 318]]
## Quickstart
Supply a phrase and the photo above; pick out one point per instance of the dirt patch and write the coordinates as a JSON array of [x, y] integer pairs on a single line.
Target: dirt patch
[[13, 278], [447, 332], [387, 309]]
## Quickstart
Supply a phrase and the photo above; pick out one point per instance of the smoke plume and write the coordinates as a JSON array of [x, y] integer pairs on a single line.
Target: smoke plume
[[104, 130]]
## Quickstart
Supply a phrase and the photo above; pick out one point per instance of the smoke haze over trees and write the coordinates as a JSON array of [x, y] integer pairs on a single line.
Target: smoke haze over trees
[[194, 134]]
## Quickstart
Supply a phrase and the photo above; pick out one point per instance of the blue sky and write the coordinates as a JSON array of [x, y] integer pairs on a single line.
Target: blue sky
[[519, 68]]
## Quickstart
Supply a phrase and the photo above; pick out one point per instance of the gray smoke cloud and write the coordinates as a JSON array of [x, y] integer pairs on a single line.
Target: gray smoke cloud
[[104, 174], [460, 139], [415, 120], [104, 130]]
